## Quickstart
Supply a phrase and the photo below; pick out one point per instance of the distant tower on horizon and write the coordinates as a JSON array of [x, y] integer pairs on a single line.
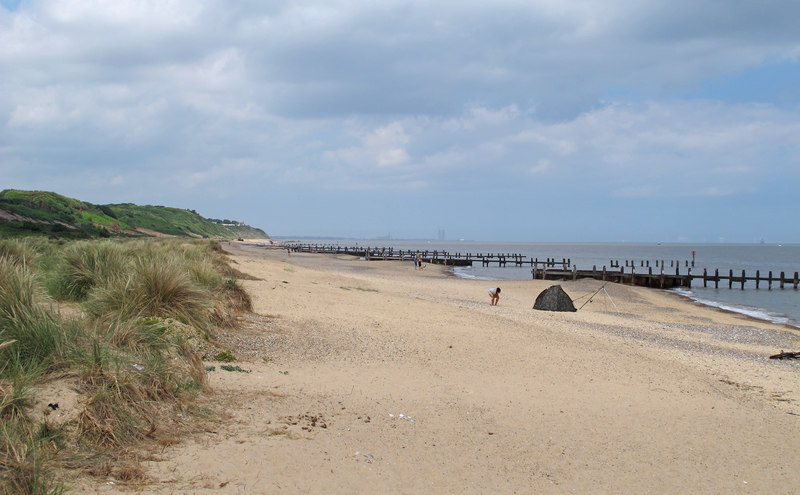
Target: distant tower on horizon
[[440, 235]]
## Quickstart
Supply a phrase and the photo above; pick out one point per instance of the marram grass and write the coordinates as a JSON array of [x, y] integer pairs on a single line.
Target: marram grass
[[86, 265], [26, 318], [131, 366], [153, 287], [20, 251]]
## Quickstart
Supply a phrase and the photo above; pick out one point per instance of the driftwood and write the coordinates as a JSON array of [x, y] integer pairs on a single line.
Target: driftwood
[[786, 355]]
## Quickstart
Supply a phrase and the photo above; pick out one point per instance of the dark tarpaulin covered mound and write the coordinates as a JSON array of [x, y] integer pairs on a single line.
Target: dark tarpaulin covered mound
[[554, 299]]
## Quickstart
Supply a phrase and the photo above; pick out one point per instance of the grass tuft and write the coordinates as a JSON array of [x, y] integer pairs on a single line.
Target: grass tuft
[[154, 288], [26, 455], [85, 265], [40, 337], [22, 252]]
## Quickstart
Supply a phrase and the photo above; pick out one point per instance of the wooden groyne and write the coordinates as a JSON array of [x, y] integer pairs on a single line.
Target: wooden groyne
[[563, 269], [666, 280], [742, 279], [659, 280], [434, 257]]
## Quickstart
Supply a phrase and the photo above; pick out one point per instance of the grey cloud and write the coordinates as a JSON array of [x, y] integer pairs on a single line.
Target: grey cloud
[[403, 61], [329, 59], [295, 95], [763, 22]]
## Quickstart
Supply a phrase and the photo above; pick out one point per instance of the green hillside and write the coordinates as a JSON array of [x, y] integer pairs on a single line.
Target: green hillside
[[41, 212]]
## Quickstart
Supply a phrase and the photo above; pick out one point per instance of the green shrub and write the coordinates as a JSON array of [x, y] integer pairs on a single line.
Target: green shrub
[[225, 356], [228, 367]]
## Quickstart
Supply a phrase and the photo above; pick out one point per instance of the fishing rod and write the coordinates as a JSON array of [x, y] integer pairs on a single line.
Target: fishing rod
[[595, 293]]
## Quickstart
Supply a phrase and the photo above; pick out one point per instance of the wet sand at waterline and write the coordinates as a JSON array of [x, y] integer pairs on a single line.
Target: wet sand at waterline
[[374, 377]]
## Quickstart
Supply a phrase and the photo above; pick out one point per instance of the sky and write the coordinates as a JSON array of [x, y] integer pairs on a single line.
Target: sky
[[509, 120]]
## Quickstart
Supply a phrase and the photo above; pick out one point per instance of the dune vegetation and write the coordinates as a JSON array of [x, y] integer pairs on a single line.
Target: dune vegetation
[[118, 328], [50, 214]]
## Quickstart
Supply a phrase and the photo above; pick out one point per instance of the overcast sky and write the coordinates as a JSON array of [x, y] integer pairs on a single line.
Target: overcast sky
[[537, 120]]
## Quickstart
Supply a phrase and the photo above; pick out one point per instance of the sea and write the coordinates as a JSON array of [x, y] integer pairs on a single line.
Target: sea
[[776, 305]]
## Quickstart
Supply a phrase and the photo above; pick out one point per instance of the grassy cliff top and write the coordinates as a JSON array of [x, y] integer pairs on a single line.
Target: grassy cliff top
[[46, 212]]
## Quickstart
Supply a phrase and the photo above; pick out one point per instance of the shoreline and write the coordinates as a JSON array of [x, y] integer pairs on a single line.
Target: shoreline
[[725, 310], [722, 256], [715, 305], [779, 319]]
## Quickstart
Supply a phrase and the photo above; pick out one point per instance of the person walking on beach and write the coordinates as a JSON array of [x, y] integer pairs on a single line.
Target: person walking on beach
[[494, 296]]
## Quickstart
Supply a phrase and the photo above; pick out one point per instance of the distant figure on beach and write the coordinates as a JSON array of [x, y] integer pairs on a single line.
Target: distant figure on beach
[[494, 296], [415, 261], [419, 263], [289, 252]]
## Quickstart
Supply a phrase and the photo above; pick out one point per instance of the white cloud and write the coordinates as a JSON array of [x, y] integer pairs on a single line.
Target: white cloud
[[35, 113], [383, 146], [540, 168], [647, 150], [387, 144]]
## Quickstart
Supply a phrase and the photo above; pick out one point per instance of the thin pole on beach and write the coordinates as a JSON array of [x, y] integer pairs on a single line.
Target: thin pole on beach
[[609, 297], [602, 287]]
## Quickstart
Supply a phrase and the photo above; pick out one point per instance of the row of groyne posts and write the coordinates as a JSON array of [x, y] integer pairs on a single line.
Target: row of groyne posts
[[554, 269]]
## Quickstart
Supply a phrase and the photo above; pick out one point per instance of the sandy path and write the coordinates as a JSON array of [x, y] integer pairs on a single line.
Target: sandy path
[[383, 379]]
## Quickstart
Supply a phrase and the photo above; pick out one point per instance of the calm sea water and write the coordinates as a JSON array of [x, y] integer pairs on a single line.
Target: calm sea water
[[780, 306]]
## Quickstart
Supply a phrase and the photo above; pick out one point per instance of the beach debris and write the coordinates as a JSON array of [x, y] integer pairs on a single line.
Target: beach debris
[[786, 355], [554, 299], [53, 405], [138, 367], [399, 417], [306, 421], [359, 457]]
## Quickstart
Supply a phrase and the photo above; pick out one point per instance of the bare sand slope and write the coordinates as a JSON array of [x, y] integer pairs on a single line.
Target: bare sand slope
[[383, 379]]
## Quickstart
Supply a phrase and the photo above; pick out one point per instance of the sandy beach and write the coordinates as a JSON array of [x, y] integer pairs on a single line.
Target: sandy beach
[[374, 377]]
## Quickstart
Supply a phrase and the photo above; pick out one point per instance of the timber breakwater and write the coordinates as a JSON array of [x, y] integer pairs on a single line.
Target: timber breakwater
[[664, 274]]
